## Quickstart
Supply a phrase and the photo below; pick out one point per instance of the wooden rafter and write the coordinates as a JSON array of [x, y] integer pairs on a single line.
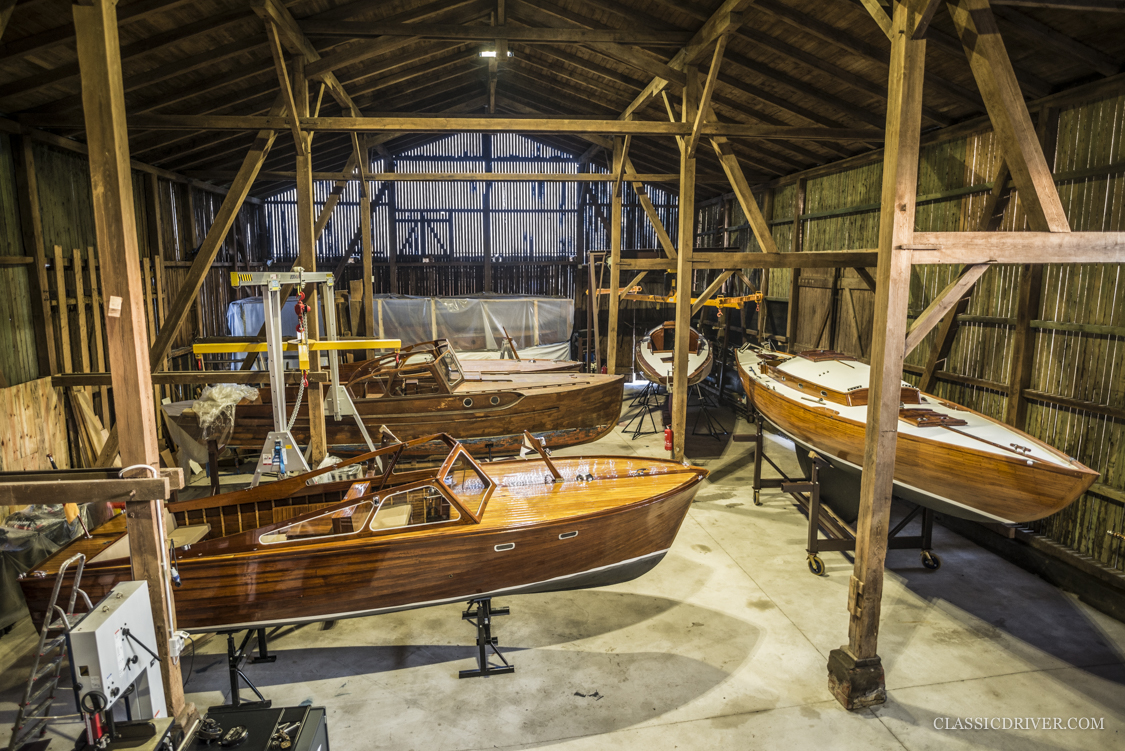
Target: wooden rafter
[[1007, 110], [705, 100], [878, 15], [286, 88]]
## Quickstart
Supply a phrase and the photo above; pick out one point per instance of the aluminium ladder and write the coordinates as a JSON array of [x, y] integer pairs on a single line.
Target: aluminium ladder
[[44, 679]]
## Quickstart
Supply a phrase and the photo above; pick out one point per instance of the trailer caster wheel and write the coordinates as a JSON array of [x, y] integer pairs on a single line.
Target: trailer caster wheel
[[930, 560], [757, 498], [816, 565]]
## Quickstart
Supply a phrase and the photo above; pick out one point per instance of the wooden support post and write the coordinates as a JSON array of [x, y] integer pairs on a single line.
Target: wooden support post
[[392, 233], [306, 240], [1030, 289], [103, 101], [366, 248], [614, 300], [763, 306], [179, 309], [65, 356], [97, 303], [31, 224], [486, 213], [683, 271], [855, 673], [1023, 349], [795, 246], [1007, 110]]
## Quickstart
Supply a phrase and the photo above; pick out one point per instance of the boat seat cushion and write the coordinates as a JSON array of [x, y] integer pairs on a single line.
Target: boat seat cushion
[[389, 518], [180, 536]]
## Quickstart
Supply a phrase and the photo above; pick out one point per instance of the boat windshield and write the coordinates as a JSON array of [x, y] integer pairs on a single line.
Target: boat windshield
[[450, 368], [413, 507], [338, 523], [468, 483]]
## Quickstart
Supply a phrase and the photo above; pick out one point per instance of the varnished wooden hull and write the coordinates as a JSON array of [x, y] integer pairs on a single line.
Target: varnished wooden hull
[[560, 414], [962, 482], [382, 574], [475, 368]]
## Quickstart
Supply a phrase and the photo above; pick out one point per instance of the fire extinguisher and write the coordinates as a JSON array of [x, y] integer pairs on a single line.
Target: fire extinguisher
[[668, 438]]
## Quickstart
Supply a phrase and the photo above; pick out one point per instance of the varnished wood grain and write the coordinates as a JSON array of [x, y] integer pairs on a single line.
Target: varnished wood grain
[[633, 507]]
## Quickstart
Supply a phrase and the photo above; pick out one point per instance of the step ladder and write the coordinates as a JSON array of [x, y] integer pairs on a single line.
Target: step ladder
[[46, 667]]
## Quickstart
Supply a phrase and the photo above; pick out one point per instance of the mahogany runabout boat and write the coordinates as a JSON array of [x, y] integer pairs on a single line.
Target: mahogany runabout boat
[[394, 541], [655, 355], [948, 458], [424, 389]]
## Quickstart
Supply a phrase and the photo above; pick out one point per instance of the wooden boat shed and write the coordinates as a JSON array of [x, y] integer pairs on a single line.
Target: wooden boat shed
[[932, 187]]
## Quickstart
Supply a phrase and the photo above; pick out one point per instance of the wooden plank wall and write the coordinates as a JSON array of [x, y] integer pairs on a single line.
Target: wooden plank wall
[[77, 317], [1076, 399], [34, 426], [18, 361]]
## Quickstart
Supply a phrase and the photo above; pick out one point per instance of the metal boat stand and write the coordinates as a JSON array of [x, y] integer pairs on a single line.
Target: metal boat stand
[[234, 662], [649, 400], [840, 535], [712, 426], [481, 617]]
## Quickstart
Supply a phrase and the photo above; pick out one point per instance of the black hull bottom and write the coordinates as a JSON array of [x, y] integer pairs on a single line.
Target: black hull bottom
[[840, 486]]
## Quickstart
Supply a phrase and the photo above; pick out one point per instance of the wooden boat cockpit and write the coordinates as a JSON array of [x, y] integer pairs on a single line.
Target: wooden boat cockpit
[[664, 339], [427, 368], [382, 502]]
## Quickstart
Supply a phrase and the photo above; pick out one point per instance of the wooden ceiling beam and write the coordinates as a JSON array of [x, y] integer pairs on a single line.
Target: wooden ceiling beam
[[1011, 121], [68, 73], [64, 34], [6, 8], [1107, 6], [480, 33], [432, 124], [1040, 33], [872, 54], [358, 51]]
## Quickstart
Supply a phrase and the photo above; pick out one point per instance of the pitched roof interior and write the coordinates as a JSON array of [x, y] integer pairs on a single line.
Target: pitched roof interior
[[792, 62]]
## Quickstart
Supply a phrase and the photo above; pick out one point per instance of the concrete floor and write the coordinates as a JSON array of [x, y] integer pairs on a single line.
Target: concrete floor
[[723, 645]]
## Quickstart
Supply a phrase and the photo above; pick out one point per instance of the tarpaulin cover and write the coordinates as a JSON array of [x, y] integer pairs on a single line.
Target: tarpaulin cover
[[471, 324]]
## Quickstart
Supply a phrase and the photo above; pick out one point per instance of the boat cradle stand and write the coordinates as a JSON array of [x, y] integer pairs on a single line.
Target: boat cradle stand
[[651, 399], [480, 615], [234, 662], [840, 536]]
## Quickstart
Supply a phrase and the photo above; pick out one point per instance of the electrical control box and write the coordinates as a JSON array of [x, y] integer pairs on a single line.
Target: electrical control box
[[113, 649]]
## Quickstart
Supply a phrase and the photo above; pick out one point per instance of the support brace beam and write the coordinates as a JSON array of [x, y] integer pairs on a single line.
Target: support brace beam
[[1007, 110], [942, 303], [708, 293]]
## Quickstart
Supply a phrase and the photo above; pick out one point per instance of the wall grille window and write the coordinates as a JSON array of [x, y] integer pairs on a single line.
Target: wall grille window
[[437, 236]]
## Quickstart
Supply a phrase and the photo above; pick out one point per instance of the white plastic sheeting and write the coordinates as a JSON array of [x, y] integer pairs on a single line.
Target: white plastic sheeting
[[471, 324]]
